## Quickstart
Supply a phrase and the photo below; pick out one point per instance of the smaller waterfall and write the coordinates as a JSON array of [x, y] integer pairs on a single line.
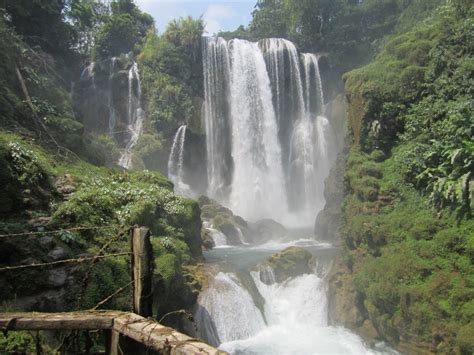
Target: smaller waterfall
[[296, 320], [135, 118], [313, 84], [226, 311], [112, 112], [217, 236], [176, 162]]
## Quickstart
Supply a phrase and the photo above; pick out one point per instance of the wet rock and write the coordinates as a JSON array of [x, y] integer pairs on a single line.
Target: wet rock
[[329, 219], [345, 304], [47, 242], [57, 277], [222, 219], [58, 253], [268, 229], [291, 262], [231, 232], [207, 241], [65, 185], [47, 301]]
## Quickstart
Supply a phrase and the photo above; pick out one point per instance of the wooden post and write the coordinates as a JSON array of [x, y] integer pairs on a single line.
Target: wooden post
[[142, 264]]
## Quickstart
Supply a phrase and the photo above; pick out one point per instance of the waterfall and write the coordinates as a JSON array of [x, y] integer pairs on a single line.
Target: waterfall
[[283, 64], [258, 188], [226, 311], [313, 84], [262, 316], [176, 162], [135, 117], [269, 148], [112, 112], [216, 120], [312, 148], [296, 313]]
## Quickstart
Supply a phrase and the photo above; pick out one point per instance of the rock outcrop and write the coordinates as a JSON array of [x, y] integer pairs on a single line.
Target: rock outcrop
[[289, 263]]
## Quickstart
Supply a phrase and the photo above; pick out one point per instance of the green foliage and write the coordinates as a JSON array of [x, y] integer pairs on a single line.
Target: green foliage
[[86, 17], [176, 282], [119, 33], [269, 19], [107, 276], [412, 265], [116, 36], [172, 75], [17, 343], [25, 178], [148, 147], [418, 88], [48, 30], [349, 30]]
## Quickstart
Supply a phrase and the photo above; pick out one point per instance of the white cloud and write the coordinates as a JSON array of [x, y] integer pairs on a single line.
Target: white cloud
[[215, 14]]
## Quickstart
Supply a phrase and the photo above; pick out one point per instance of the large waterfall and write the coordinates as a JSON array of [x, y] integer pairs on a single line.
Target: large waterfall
[[269, 150], [269, 147]]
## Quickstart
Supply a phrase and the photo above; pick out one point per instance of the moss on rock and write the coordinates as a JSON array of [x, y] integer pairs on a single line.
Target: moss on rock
[[291, 262]]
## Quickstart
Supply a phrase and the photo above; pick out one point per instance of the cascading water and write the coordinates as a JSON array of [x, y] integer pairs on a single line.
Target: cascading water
[[216, 108], [135, 118], [238, 319], [248, 312], [112, 112], [269, 150], [263, 99], [176, 163], [314, 96], [258, 187]]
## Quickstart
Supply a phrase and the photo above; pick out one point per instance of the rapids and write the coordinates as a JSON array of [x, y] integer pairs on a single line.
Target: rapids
[[241, 314]]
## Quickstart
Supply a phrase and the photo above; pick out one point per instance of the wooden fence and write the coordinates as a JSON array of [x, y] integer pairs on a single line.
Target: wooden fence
[[126, 332]]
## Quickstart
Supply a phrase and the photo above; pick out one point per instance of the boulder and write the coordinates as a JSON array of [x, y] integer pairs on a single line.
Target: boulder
[[221, 218], [57, 253], [57, 277], [291, 262], [267, 229]]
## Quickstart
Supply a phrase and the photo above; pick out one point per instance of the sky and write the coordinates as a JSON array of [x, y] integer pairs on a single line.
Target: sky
[[218, 15]]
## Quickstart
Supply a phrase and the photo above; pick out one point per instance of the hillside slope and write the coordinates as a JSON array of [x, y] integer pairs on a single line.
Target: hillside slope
[[407, 224]]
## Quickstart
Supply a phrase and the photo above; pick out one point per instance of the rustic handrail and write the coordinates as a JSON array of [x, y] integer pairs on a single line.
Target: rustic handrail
[[148, 332]]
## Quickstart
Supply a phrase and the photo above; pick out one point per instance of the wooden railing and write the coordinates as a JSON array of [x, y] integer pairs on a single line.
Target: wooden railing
[[127, 332]]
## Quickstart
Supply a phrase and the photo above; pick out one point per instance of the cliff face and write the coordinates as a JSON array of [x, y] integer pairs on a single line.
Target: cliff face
[[405, 224]]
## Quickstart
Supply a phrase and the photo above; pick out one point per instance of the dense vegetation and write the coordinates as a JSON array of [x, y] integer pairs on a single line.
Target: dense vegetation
[[407, 230], [408, 224], [51, 167], [349, 31]]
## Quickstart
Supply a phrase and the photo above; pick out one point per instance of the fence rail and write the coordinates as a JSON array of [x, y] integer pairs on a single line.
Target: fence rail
[[149, 333], [120, 326]]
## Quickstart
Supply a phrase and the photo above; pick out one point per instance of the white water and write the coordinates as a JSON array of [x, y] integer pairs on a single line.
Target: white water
[[112, 112], [176, 163], [258, 186], [313, 87], [227, 312], [269, 149], [292, 317], [218, 140], [135, 117], [296, 312]]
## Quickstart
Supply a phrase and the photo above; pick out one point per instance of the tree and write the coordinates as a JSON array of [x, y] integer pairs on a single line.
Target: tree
[[86, 16], [269, 19], [125, 27], [40, 22]]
